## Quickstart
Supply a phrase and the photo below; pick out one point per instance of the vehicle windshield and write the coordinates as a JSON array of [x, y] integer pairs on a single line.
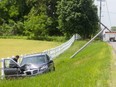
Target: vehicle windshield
[[34, 60]]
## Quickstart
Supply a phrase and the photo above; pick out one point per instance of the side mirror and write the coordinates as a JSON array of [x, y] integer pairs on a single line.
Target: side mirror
[[51, 61]]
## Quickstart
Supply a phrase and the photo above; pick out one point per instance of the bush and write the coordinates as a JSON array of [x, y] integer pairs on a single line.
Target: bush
[[13, 37], [49, 38]]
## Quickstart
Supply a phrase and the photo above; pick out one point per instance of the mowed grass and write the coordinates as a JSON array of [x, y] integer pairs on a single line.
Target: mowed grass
[[90, 68], [12, 47]]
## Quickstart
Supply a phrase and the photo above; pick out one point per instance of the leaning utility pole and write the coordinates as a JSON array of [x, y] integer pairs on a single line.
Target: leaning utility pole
[[105, 27], [87, 43]]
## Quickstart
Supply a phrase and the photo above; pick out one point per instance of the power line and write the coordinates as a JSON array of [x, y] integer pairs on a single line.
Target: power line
[[108, 13]]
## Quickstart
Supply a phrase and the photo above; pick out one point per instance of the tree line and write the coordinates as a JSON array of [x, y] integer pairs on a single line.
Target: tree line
[[36, 18]]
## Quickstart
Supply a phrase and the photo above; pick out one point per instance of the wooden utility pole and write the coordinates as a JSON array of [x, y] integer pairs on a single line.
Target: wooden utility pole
[[100, 12], [87, 43], [100, 17]]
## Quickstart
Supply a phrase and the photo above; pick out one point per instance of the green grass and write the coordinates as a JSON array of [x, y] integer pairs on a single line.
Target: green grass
[[12, 47], [113, 69], [90, 68]]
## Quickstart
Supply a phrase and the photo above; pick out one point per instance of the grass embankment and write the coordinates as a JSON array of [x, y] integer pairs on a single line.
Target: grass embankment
[[12, 47], [90, 68]]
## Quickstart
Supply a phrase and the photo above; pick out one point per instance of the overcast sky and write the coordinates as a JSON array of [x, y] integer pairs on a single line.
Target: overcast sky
[[108, 12]]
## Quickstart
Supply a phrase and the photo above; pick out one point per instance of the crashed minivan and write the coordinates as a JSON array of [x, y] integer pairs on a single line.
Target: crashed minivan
[[30, 65]]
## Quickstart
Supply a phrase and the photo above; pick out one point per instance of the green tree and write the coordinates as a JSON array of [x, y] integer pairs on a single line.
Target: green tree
[[37, 21], [36, 26], [30, 17], [77, 16], [3, 11], [113, 28], [51, 12], [11, 12]]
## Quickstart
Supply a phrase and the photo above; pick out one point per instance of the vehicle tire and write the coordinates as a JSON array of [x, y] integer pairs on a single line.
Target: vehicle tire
[[53, 68], [112, 40]]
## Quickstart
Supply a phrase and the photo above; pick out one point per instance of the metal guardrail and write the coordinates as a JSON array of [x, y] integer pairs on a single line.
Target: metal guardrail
[[53, 53], [2, 68]]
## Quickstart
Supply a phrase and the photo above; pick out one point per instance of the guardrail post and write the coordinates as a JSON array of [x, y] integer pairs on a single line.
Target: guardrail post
[[2, 69]]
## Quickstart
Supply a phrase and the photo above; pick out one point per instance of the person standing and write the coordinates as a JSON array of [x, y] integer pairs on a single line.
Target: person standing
[[16, 58], [12, 63]]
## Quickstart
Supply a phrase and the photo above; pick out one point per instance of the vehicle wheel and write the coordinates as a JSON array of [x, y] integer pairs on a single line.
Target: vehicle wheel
[[111, 39], [53, 68]]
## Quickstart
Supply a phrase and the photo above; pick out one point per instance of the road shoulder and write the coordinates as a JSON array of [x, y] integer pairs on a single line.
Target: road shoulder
[[113, 69]]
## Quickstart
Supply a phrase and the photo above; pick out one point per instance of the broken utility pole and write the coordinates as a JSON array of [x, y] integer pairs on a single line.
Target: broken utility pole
[[90, 40]]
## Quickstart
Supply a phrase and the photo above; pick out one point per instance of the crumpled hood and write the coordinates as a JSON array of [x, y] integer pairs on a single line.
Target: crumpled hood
[[32, 66]]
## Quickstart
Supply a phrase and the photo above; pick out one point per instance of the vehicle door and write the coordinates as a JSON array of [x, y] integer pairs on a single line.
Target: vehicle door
[[11, 67], [50, 63]]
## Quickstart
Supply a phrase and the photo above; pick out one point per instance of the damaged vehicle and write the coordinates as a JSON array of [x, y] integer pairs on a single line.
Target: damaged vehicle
[[30, 65]]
